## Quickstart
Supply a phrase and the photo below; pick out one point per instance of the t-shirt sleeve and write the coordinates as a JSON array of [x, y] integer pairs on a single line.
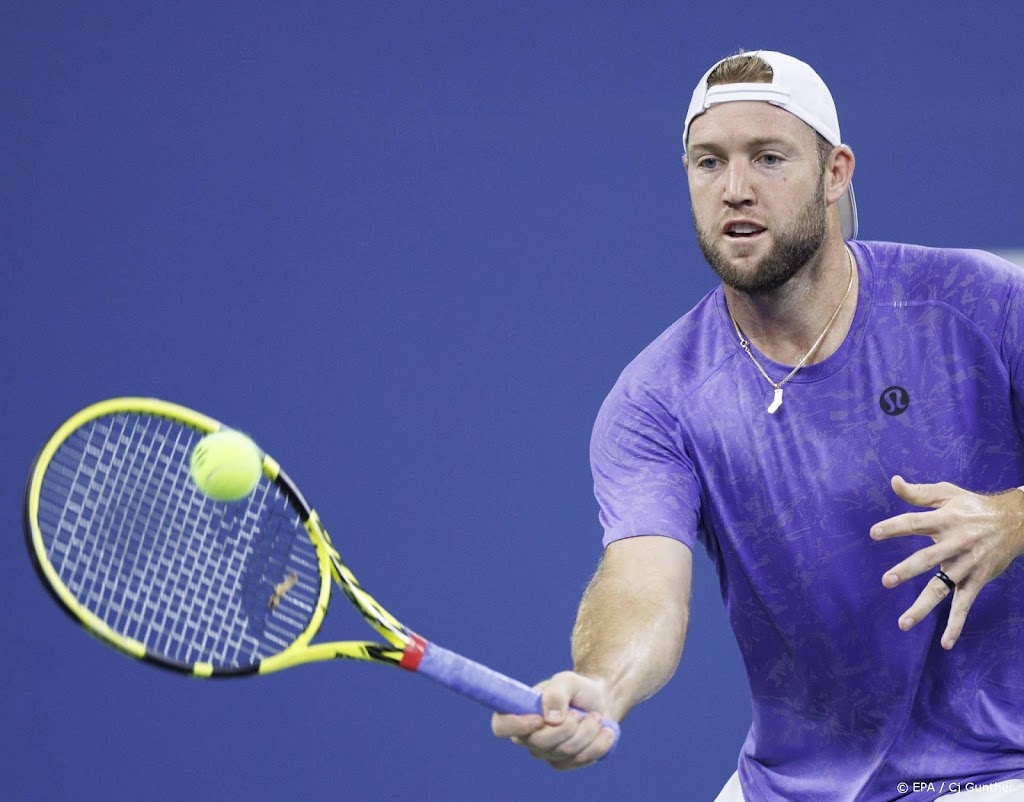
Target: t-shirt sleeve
[[644, 482]]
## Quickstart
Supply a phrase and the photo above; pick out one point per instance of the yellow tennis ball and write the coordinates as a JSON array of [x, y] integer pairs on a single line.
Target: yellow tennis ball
[[226, 465]]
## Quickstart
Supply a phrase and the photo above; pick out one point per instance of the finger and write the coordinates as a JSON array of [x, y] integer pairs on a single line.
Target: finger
[[930, 598], [923, 495], [593, 751], [511, 726], [588, 728], [908, 523], [918, 563], [543, 742], [598, 748], [963, 599]]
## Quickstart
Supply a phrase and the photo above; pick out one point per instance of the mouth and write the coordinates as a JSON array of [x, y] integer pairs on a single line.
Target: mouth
[[739, 230]]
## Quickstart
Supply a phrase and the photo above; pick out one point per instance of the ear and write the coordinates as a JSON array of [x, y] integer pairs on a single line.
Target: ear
[[838, 173], [686, 163]]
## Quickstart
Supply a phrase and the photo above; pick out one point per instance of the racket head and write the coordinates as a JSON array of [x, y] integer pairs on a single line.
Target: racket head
[[136, 553]]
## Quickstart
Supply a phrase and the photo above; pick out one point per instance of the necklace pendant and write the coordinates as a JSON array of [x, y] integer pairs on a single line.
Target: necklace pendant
[[776, 401]]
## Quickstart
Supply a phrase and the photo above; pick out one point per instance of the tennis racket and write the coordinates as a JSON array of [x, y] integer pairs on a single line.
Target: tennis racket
[[134, 551]]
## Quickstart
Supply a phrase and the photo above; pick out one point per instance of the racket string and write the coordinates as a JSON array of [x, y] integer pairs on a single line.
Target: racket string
[[158, 562]]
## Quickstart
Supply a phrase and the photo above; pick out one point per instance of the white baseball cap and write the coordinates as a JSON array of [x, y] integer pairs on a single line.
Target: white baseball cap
[[796, 88]]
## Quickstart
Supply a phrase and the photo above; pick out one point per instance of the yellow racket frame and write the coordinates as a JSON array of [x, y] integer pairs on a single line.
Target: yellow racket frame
[[398, 638]]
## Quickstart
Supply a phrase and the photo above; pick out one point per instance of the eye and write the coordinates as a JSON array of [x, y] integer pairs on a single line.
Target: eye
[[771, 160], [707, 162]]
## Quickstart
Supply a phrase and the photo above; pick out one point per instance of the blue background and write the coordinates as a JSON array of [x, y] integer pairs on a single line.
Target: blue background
[[409, 246]]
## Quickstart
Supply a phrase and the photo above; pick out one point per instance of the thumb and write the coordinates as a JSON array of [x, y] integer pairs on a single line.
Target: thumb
[[556, 696], [569, 688]]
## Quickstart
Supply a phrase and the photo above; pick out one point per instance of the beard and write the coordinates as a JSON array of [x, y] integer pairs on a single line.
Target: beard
[[792, 250]]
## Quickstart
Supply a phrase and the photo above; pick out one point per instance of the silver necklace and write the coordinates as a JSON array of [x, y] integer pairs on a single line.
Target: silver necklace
[[777, 398]]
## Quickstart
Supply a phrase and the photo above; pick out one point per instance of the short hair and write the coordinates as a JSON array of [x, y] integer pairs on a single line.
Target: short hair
[[741, 68], [750, 68]]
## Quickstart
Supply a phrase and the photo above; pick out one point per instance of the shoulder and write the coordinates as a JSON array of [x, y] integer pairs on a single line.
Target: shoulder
[[980, 290], [957, 276], [680, 360]]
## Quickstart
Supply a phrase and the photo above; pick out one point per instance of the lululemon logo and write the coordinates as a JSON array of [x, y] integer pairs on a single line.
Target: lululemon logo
[[894, 400]]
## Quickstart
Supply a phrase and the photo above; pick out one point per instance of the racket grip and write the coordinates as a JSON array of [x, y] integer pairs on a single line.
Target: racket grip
[[487, 686]]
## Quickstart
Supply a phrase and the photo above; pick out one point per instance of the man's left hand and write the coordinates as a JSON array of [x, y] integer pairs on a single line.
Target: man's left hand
[[976, 538]]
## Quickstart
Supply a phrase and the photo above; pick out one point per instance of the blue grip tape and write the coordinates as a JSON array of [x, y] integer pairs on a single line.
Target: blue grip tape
[[487, 686]]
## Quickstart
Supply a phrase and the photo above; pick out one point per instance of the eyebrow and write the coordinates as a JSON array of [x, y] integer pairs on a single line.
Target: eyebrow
[[753, 144]]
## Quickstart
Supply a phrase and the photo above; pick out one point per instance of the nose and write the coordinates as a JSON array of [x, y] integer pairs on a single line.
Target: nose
[[738, 190]]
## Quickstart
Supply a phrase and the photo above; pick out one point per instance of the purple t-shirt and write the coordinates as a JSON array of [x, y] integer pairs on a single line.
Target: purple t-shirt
[[929, 384]]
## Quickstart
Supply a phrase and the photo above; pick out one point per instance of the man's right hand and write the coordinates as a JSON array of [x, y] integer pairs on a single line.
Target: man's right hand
[[562, 737], [630, 626]]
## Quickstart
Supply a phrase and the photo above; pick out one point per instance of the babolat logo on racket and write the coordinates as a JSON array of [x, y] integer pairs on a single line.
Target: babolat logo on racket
[[894, 400], [281, 589]]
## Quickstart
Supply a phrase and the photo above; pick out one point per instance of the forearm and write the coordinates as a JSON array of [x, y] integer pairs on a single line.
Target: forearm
[[631, 627]]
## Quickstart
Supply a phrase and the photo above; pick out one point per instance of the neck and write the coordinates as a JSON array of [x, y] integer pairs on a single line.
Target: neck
[[785, 323]]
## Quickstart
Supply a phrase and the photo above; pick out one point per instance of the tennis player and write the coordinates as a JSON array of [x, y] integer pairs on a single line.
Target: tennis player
[[840, 425]]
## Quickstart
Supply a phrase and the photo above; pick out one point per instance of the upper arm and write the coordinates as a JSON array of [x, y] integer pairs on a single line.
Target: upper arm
[[642, 587], [660, 568]]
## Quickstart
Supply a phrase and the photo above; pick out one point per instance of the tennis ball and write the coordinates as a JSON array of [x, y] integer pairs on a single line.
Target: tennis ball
[[226, 465]]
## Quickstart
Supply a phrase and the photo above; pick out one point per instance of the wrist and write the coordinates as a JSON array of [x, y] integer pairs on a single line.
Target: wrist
[[612, 690]]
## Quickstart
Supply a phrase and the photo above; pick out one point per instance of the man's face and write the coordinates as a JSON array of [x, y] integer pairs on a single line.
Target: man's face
[[757, 193]]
